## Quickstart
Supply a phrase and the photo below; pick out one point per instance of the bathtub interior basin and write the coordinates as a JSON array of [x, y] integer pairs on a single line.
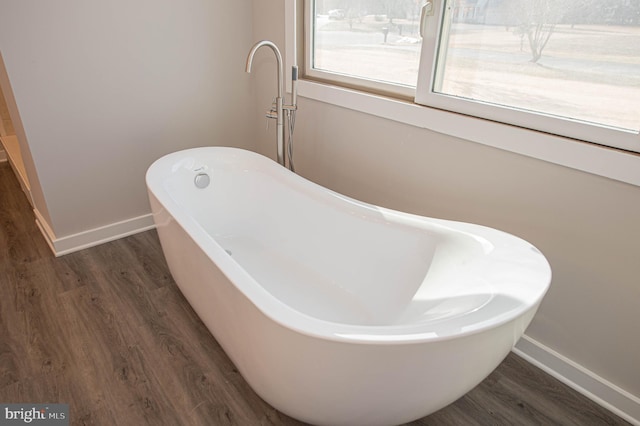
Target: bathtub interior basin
[[337, 259]]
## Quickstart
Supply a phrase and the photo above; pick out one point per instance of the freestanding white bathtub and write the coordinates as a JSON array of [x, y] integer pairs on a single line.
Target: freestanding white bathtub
[[333, 310]]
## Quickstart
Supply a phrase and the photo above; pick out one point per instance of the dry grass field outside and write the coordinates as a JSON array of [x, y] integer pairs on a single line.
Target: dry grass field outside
[[589, 73]]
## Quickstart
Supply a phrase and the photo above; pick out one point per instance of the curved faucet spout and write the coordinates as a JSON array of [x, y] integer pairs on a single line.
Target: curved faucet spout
[[276, 51], [279, 112]]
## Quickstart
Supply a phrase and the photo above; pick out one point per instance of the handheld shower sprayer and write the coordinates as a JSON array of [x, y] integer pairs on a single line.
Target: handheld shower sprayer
[[294, 86], [291, 113]]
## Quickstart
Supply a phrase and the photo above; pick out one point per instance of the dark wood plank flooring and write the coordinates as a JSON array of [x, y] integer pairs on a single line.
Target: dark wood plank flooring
[[107, 331]]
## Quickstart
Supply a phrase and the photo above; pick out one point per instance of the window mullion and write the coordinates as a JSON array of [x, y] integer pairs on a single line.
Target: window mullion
[[427, 69]]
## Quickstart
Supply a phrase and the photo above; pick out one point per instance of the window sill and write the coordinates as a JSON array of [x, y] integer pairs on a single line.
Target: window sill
[[591, 158]]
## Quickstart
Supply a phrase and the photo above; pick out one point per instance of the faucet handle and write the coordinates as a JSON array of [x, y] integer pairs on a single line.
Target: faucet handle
[[273, 112]]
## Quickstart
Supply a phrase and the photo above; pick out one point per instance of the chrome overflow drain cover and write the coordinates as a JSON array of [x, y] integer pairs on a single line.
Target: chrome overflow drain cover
[[202, 180]]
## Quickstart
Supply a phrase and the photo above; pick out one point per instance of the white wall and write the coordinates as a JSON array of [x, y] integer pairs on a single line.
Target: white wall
[[587, 226], [103, 88]]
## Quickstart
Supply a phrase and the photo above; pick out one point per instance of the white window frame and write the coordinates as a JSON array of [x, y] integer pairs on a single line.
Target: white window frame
[[596, 159]]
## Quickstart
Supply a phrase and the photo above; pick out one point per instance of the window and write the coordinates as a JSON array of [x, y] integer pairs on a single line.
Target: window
[[366, 44], [566, 67]]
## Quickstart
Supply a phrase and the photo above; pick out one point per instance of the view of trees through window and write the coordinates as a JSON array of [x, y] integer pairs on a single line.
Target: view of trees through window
[[571, 58]]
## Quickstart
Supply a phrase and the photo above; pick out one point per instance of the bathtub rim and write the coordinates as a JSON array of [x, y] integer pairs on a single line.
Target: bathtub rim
[[291, 318]]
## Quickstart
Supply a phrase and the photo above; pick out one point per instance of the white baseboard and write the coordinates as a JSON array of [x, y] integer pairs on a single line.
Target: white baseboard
[[594, 387], [92, 237]]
